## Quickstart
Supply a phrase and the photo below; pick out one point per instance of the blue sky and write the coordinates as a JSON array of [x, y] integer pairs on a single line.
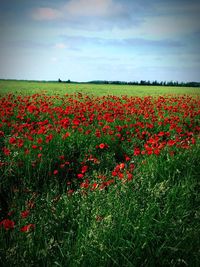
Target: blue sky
[[86, 40]]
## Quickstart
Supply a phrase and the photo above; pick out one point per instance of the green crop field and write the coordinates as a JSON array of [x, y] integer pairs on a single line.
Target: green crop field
[[99, 175], [52, 88]]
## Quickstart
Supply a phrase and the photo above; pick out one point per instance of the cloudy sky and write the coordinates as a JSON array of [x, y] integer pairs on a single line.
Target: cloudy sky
[[84, 40]]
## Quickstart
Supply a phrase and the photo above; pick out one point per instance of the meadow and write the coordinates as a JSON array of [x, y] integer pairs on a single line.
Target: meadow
[[52, 88], [99, 175]]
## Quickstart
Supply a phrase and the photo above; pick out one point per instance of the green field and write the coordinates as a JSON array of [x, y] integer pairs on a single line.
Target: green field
[[25, 87], [99, 175]]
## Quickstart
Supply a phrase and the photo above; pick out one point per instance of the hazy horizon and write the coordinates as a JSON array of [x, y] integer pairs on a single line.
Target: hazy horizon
[[85, 40]]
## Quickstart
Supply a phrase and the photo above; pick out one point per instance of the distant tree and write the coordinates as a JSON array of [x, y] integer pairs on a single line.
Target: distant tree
[[170, 83], [142, 82], [59, 80], [155, 83], [68, 81], [148, 83]]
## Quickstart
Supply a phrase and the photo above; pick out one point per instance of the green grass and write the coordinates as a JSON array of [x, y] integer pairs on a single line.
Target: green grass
[[152, 221], [26, 87]]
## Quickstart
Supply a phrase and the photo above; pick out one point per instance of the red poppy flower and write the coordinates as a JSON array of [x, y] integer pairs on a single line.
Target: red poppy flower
[[49, 138], [6, 151], [80, 175], [94, 186], [121, 166], [129, 176], [171, 142], [27, 228], [102, 146], [84, 169], [70, 192], [127, 158], [114, 173], [39, 141], [66, 135], [55, 172], [12, 140], [136, 151], [84, 185], [25, 214], [7, 224]]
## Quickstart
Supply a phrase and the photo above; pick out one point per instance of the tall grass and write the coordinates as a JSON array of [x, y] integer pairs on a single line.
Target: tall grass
[[152, 221]]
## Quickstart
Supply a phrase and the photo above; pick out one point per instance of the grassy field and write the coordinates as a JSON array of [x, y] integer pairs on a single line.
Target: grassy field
[[24, 87], [104, 176]]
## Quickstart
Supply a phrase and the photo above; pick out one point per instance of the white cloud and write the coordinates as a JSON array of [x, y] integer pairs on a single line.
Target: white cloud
[[101, 8], [79, 8], [46, 13], [169, 26], [157, 28]]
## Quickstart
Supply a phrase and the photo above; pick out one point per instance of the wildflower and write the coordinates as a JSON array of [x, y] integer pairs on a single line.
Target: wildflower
[[84, 169], [102, 146], [127, 158], [31, 108], [76, 122], [156, 152], [62, 166], [114, 173], [20, 143], [27, 228], [70, 192], [120, 175], [55, 172], [12, 140], [39, 140], [132, 164], [136, 151], [62, 157], [7, 224], [94, 186], [49, 138], [80, 175], [129, 176], [25, 214], [84, 185], [121, 166], [6, 151], [171, 142]]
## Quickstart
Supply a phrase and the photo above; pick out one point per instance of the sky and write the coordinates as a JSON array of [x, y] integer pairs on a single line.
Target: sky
[[84, 40]]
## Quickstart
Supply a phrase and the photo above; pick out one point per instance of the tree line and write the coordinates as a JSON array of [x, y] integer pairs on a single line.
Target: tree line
[[154, 83]]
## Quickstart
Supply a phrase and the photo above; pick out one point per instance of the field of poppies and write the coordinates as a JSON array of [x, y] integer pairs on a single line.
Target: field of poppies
[[91, 180]]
